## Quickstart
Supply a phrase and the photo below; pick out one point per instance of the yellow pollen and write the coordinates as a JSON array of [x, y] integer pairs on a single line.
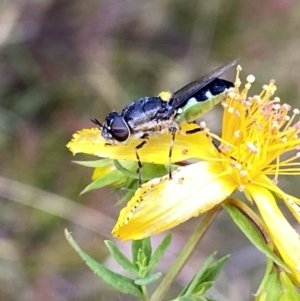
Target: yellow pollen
[[237, 133], [237, 166], [277, 107], [243, 173], [230, 94], [296, 111], [241, 188], [275, 125], [250, 79], [297, 126], [286, 107], [231, 110], [202, 124], [238, 82], [237, 113], [224, 103], [276, 99], [248, 86], [252, 147]]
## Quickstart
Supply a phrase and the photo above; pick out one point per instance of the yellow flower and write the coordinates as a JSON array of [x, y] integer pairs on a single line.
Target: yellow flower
[[256, 132], [90, 141]]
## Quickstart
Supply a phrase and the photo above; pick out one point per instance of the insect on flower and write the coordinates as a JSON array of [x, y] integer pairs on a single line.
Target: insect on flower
[[166, 112]]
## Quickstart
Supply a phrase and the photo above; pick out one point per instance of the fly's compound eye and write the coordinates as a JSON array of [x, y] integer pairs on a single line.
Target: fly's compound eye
[[115, 128], [119, 129]]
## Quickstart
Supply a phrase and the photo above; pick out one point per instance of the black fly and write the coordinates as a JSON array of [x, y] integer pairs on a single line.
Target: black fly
[[153, 115]]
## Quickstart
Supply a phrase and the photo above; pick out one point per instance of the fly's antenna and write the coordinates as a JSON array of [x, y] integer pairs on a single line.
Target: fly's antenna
[[97, 122]]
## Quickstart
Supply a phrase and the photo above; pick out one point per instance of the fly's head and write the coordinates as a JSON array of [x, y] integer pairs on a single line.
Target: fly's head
[[114, 130]]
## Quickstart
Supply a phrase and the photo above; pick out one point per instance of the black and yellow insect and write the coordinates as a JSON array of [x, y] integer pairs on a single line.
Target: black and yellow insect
[[166, 112]]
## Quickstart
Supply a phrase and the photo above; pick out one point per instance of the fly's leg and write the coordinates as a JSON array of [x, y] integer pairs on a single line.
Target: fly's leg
[[196, 130], [139, 146], [193, 131]]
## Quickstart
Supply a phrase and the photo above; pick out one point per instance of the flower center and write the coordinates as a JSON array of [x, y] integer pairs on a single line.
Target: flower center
[[257, 131]]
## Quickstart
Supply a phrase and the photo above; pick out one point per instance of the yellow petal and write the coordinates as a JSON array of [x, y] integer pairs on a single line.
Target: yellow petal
[[197, 145], [284, 236], [162, 204], [290, 201]]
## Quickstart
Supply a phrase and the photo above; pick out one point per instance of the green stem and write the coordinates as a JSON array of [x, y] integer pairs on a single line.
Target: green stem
[[185, 254], [145, 293]]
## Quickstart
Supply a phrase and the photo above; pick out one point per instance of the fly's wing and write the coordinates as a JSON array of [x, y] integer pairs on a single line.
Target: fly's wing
[[181, 97]]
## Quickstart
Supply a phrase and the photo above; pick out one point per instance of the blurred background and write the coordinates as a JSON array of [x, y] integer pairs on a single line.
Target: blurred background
[[65, 62]]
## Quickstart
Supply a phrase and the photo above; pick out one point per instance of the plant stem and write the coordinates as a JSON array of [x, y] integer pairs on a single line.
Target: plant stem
[[145, 293], [185, 254]]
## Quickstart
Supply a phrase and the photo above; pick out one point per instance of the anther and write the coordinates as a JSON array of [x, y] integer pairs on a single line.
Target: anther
[[243, 173], [230, 110], [237, 133], [286, 106], [202, 124], [296, 111], [250, 79], [248, 86], [241, 188], [252, 147]]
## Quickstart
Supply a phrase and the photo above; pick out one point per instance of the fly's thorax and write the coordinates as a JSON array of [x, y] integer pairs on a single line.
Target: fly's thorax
[[115, 129], [155, 127], [148, 114]]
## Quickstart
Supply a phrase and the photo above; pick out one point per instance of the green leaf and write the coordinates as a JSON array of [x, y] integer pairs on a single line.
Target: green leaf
[[149, 171], [95, 163], [131, 189], [269, 288], [119, 282], [120, 258], [128, 172], [272, 286], [142, 262], [159, 252], [196, 280], [147, 249], [289, 291], [253, 234], [111, 178], [136, 246], [148, 280], [188, 298], [202, 287], [210, 275]]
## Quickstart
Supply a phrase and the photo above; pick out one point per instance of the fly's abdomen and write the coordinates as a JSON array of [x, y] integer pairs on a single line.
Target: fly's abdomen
[[203, 101]]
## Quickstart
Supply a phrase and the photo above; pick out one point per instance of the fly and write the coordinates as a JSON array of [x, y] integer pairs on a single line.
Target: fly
[[156, 115]]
